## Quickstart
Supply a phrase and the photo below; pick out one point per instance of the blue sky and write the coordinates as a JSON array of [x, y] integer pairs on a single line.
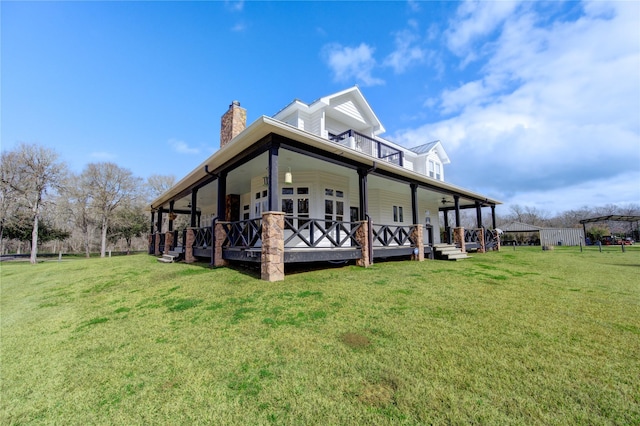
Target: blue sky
[[536, 103]]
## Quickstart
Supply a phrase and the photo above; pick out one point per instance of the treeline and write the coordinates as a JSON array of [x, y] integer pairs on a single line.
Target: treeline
[[42, 202]]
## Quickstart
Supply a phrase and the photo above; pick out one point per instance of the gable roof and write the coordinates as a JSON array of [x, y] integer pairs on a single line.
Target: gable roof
[[348, 105]]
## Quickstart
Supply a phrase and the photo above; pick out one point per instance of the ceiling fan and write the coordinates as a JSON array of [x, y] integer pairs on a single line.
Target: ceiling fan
[[445, 201]]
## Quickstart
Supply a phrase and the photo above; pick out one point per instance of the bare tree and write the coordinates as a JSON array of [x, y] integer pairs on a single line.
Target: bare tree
[[30, 172], [76, 204], [158, 184], [111, 187]]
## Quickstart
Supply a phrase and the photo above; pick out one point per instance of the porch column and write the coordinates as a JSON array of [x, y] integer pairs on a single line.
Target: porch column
[[362, 237], [194, 202], [417, 236], [157, 244], [272, 198], [219, 236], [414, 202], [362, 194], [222, 196], [479, 214], [456, 205], [483, 247], [188, 246], [272, 257], [171, 204], [151, 236], [168, 241], [458, 238], [159, 224], [493, 216]]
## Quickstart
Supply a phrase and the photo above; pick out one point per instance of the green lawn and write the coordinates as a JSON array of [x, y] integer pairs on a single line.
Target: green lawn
[[516, 337]]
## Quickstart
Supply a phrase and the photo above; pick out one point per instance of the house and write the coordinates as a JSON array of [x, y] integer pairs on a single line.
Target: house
[[314, 183]]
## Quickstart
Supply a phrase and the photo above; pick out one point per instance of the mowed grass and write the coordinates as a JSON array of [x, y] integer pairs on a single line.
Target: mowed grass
[[510, 337]]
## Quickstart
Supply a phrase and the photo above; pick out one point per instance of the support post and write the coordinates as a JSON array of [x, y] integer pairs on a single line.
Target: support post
[[194, 205], [272, 197], [171, 204], [483, 247], [493, 216], [458, 238], [222, 196], [159, 224], [218, 239], [414, 202], [157, 244], [417, 236], [188, 246], [362, 237], [479, 214], [362, 194], [272, 257], [168, 241], [456, 206]]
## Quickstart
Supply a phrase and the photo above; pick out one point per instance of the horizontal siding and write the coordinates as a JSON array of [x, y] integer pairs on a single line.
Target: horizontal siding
[[350, 109]]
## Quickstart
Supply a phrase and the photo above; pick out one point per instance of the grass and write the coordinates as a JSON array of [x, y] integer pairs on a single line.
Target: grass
[[510, 337]]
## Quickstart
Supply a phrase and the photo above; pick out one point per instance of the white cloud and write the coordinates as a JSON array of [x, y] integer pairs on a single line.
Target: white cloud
[[475, 19], [555, 111], [407, 52], [239, 27], [182, 147], [351, 63], [234, 6]]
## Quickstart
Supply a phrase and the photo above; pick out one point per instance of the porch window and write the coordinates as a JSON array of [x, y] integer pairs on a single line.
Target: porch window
[[295, 202], [398, 215]]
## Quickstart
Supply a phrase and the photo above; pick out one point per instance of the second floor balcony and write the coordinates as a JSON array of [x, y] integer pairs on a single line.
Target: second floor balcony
[[368, 145]]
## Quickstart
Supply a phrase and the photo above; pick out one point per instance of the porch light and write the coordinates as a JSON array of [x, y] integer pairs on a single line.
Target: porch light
[[288, 178], [265, 180]]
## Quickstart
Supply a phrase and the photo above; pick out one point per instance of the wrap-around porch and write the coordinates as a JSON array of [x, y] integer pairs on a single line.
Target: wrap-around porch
[[338, 209]]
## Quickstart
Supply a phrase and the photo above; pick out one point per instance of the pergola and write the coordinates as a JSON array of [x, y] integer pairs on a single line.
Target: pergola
[[611, 217]]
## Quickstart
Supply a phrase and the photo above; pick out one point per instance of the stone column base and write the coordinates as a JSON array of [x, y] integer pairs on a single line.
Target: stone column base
[[219, 236], [362, 236], [458, 238], [188, 246], [272, 257], [417, 236]]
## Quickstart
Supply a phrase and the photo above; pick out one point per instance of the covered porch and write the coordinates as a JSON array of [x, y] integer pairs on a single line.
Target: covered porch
[[328, 205]]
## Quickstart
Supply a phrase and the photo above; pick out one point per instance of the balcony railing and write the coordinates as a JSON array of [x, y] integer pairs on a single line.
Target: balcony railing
[[375, 148]]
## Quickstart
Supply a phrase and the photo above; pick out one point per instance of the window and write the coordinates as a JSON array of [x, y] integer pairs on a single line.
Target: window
[[296, 206], [432, 167], [398, 215], [438, 171]]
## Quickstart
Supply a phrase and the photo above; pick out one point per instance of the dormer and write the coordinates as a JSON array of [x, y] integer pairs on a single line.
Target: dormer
[[430, 159], [333, 114]]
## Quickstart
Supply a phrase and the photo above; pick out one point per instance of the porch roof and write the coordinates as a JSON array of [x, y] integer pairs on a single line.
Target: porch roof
[[264, 126]]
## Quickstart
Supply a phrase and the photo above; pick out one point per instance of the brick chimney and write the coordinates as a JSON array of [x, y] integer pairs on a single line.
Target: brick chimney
[[233, 122]]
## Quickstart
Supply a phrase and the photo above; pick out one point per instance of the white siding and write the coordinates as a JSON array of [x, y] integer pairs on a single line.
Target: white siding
[[350, 109], [316, 123]]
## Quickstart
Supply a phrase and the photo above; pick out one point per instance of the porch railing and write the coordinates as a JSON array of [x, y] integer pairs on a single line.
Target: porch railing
[[179, 240], [472, 236], [243, 234], [392, 235], [490, 239], [311, 233], [202, 237], [368, 145]]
